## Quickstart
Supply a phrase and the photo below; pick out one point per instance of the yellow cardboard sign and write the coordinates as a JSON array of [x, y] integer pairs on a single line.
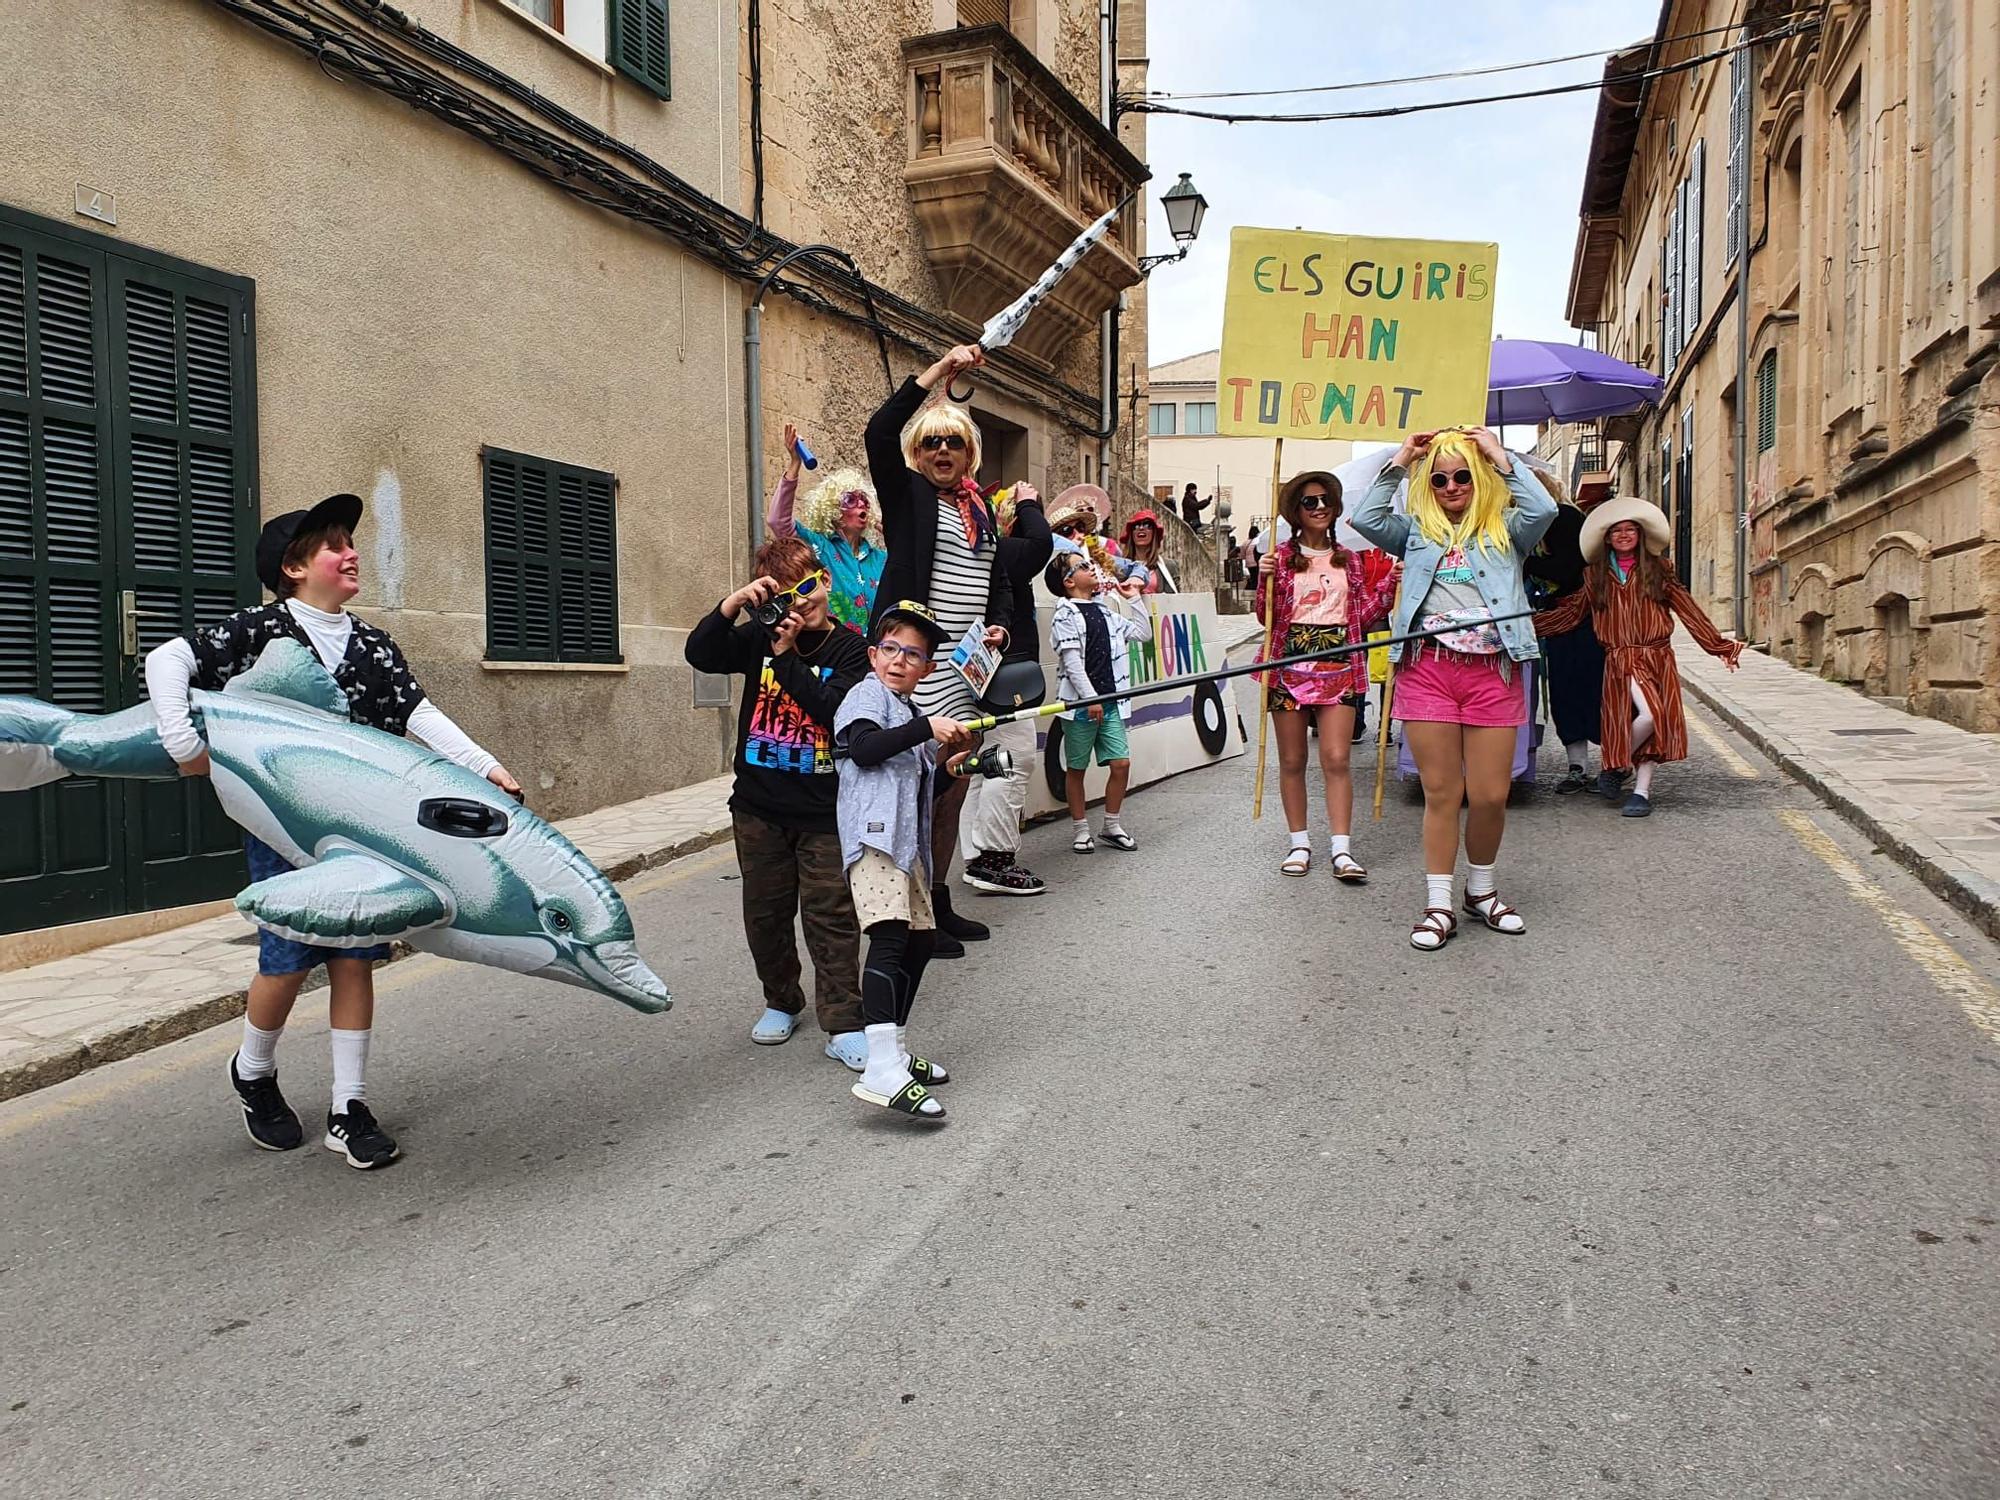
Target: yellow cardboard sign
[[1346, 336]]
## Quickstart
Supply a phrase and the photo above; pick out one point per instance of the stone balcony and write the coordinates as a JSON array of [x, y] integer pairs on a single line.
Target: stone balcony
[[1005, 168]]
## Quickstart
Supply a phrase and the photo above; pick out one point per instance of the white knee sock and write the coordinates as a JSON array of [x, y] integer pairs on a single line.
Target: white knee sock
[[1479, 881], [1642, 778], [257, 1057], [1437, 890], [350, 1067], [887, 1071]]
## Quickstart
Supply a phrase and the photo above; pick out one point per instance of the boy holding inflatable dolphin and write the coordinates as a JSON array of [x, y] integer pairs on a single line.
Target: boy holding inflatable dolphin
[[307, 559]]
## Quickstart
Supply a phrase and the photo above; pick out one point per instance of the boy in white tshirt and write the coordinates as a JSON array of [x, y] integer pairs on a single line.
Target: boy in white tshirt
[[307, 559]]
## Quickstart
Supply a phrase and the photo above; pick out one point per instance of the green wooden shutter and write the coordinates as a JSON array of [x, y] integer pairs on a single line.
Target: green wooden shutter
[[180, 364], [60, 845], [551, 560], [639, 44], [1767, 401]]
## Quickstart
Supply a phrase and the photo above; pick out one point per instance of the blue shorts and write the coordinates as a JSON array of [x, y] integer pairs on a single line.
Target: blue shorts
[[280, 956]]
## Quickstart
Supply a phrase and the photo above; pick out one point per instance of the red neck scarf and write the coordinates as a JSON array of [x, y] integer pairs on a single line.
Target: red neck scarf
[[972, 511]]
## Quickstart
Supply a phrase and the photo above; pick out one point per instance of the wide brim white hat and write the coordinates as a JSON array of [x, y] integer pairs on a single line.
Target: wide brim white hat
[[1651, 520]]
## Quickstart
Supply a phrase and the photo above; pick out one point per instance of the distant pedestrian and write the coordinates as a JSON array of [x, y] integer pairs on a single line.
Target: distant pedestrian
[[1142, 541], [1631, 596], [885, 838], [1575, 660], [1473, 515], [782, 803], [1192, 505], [1089, 637], [1322, 595]]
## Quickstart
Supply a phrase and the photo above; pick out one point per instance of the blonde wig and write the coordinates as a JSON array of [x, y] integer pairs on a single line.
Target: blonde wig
[[1484, 521], [820, 509], [941, 418]]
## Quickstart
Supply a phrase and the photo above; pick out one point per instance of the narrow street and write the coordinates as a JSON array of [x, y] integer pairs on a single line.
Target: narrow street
[[1689, 1192]]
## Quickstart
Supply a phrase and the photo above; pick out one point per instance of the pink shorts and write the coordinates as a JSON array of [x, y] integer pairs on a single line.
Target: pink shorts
[[1448, 687]]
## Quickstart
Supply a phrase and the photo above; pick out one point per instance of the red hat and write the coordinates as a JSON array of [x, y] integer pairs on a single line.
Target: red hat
[[1146, 517]]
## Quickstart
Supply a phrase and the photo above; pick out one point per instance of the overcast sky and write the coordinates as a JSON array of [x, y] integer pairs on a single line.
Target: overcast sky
[[1512, 173]]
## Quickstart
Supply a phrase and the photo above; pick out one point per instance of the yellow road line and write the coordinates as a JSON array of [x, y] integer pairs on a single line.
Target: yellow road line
[[309, 1016], [1975, 996], [1738, 766]]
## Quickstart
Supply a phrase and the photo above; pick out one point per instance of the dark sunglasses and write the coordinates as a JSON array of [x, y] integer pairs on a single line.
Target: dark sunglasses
[[1069, 528], [805, 588], [1315, 502], [1439, 479], [939, 440]]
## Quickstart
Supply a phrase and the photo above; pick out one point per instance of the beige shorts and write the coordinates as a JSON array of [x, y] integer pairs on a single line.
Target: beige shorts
[[883, 893]]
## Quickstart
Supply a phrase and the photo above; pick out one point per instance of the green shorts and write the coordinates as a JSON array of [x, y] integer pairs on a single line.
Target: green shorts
[[1081, 733]]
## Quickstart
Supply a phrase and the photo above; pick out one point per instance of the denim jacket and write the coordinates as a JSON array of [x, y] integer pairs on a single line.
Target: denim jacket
[[1499, 579]]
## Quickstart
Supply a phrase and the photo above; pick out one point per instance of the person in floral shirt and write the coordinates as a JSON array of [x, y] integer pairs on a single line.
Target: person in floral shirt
[[841, 524]]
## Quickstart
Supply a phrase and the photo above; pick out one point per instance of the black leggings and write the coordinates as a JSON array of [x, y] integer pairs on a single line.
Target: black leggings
[[892, 971]]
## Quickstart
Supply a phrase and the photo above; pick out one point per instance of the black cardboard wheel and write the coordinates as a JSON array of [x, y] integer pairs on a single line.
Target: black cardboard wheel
[[1211, 724], [1053, 776]]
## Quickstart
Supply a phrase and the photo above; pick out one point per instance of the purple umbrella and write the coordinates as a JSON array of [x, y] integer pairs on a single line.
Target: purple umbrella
[[1530, 381]]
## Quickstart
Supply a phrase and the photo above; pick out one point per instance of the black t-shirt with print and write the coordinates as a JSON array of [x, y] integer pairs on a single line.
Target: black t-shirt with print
[[381, 690]]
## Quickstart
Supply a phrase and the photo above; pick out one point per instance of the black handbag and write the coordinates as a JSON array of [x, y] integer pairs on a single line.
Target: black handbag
[[1015, 685]]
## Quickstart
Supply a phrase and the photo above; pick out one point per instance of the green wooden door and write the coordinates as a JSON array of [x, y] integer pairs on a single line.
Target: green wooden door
[[127, 515]]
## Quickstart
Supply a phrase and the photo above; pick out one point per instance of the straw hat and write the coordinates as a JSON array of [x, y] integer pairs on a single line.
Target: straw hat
[[1077, 502], [1652, 522]]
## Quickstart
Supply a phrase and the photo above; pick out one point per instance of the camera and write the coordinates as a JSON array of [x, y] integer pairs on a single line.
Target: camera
[[992, 764], [771, 613]]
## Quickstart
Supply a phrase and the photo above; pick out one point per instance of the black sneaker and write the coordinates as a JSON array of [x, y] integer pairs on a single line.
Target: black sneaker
[[357, 1137], [1576, 779], [996, 874], [1611, 785], [269, 1120]]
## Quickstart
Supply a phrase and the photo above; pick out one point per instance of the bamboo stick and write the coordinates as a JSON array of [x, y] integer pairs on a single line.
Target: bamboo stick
[[1270, 625]]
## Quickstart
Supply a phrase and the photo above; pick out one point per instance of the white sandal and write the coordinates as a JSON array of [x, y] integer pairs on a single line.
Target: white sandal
[[1298, 862]]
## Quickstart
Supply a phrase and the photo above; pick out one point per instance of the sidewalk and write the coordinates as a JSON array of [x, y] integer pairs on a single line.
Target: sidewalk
[[1926, 792], [59, 1019]]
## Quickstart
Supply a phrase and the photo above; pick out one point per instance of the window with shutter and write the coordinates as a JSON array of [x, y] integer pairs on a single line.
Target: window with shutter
[[126, 516], [1735, 230], [1694, 196], [1767, 401], [551, 560], [640, 44], [1683, 512], [982, 12], [1666, 302]]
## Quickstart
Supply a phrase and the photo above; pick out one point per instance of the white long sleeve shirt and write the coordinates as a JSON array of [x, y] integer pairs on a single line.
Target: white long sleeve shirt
[[170, 669]]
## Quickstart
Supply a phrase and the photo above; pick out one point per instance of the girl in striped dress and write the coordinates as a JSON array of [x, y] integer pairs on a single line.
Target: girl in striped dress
[[1631, 597]]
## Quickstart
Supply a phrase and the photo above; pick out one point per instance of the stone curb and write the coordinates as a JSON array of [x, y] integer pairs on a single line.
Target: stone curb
[[1967, 890], [55, 1062]]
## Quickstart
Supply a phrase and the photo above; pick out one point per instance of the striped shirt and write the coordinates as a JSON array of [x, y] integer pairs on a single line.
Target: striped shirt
[[961, 581]]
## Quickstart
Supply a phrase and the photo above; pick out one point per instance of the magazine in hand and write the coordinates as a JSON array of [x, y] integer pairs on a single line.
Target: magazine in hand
[[974, 660]]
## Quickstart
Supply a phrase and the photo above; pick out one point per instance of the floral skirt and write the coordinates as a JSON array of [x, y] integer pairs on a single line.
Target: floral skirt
[[1318, 684]]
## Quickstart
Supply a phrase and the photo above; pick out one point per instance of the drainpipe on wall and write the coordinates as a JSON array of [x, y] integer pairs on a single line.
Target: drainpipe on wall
[[1107, 331], [1746, 249]]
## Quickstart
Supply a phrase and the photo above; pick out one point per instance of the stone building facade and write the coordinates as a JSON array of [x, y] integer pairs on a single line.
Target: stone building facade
[[1851, 158]]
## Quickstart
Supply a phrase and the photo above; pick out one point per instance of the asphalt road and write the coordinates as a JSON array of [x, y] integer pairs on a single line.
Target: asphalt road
[[1691, 1191]]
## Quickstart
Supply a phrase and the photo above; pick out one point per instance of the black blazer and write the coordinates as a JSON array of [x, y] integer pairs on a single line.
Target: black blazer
[[909, 526]]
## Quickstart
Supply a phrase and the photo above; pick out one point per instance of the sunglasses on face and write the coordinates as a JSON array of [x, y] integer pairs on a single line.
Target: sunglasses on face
[[1439, 479], [806, 587], [1070, 528], [916, 656], [943, 440], [1315, 502]]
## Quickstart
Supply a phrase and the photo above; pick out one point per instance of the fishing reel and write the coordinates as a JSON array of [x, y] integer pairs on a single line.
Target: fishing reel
[[994, 764]]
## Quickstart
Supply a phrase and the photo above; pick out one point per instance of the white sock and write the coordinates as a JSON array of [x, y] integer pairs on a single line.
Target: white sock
[[1479, 881], [1079, 827], [1343, 844], [1301, 839], [350, 1067], [1578, 752], [903, 1045], [1642, 778], [257, 1057], [887, 1072], [1438, 890], [1111, 823]]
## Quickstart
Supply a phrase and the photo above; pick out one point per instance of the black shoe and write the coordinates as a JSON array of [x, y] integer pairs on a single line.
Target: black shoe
[[1611, 785], [947, 946], [356, 1136], [269, 1120], [1637, 806], [1361, 724], [951, 923], [1576, 779], [996, 874]]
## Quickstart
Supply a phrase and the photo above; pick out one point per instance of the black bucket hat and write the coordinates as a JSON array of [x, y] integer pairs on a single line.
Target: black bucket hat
[[343, 511]]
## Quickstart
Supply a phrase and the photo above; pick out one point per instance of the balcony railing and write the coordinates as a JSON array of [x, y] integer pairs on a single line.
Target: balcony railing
[[1005, 167]]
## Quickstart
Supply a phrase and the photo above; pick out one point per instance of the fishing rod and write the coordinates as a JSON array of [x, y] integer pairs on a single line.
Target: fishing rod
[[1195, 679]]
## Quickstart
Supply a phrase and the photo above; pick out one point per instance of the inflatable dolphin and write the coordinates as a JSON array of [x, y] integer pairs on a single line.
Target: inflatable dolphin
[[391, 840]]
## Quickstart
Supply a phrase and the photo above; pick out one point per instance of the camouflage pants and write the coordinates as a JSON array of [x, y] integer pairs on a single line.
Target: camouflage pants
[[787, 874]]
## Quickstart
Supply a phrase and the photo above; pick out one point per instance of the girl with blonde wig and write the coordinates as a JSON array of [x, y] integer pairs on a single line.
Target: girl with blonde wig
[[1473, 516]]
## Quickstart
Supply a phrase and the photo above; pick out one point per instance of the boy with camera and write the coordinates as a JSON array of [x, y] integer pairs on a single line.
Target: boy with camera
[[886, 794], [1089, 638], [797, 665]]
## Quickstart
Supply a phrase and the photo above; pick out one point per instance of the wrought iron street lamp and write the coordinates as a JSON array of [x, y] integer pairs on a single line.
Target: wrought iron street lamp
[[1185, 208]]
